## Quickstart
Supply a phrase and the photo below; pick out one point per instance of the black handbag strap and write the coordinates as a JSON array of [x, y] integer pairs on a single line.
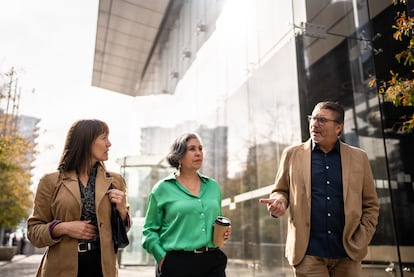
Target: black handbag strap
[[119, 236], [111, 186]]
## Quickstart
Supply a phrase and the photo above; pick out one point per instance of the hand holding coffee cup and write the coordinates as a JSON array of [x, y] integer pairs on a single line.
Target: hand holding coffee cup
[[221, 226]]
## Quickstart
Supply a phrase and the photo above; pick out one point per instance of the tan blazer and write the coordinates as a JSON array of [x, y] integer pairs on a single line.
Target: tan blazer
[[361, 207], [59, 198]]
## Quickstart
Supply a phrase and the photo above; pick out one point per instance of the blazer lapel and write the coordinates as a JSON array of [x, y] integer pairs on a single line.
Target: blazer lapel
[[346, 168], [306, 159]]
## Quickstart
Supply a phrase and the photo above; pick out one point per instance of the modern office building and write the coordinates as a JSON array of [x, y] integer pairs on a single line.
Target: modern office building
[[252, 70]]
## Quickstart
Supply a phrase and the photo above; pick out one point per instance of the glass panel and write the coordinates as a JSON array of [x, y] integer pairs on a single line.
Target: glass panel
[[261, 123], [253, 75], [140, 177]]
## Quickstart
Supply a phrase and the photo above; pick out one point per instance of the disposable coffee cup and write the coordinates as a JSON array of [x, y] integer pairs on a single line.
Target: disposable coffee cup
[[221, 225]]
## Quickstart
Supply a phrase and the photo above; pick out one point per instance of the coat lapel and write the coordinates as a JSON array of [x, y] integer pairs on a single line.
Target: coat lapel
[[70, 181], [101, 185]]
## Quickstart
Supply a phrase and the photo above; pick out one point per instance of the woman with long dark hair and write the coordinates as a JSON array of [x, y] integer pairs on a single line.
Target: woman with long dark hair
[[72, 208]]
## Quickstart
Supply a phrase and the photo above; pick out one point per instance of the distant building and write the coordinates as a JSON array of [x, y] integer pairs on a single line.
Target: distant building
[[27, 127]]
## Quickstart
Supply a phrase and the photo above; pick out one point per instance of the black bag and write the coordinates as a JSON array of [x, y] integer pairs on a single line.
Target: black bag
[[119, 235]]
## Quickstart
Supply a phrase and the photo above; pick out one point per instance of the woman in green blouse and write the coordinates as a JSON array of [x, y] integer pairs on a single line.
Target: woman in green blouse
[[178, 228]]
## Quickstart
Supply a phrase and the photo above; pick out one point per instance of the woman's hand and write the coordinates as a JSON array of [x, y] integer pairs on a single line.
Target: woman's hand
[[227, 234], [75, 229], [117, 197], [160, 264]]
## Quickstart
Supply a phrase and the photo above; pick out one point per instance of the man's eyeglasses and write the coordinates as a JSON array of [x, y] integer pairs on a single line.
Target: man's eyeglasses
[[321, 120]]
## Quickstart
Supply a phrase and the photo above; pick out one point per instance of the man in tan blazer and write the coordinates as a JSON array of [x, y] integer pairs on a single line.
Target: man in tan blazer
[[329, 189]]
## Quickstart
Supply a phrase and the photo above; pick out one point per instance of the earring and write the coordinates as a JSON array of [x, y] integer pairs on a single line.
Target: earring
[[178, 170]]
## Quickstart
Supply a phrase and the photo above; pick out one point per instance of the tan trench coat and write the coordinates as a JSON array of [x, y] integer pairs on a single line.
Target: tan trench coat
[[361, 207], [59, 198]]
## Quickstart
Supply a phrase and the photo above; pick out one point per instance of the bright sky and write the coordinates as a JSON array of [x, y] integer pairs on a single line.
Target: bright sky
[[51, 44]]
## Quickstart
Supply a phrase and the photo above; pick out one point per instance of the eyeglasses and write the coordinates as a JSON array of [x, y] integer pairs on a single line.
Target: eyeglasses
[[321, 120]]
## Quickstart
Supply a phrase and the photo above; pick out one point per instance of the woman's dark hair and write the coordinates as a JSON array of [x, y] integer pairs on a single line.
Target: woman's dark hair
[[179, 147], [77, 152], [335, 107]]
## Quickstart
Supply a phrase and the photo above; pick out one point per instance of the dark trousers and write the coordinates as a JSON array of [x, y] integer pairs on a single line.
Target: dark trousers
[[89, 264], [189, 264]]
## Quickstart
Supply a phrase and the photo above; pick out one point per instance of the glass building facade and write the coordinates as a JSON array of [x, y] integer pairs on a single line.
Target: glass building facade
[[244, 74]]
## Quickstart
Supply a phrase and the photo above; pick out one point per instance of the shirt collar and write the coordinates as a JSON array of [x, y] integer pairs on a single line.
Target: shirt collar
[[316, 146], [172, 176]]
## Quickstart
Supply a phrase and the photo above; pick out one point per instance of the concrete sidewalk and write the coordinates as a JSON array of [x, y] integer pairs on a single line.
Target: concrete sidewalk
[[26, 266]]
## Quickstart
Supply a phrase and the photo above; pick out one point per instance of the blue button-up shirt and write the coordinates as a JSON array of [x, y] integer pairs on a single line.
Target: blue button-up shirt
[[327, 205]]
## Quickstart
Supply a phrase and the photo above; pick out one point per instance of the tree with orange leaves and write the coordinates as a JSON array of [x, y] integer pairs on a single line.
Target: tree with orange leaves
[[399, 90]]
